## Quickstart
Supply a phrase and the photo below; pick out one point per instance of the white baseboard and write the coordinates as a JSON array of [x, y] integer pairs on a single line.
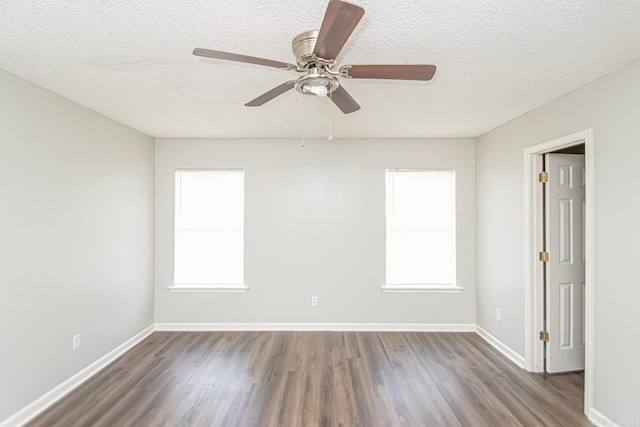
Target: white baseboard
[[501, 347], [377, 327], [39, 405], [600, 419]]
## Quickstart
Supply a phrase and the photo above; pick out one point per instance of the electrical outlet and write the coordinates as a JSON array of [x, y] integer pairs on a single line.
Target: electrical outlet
[[314, 301], [76, 342], [497, 314]]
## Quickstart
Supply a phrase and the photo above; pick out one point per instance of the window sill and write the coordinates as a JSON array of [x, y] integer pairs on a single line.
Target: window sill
[[435, 289], [208, 288]]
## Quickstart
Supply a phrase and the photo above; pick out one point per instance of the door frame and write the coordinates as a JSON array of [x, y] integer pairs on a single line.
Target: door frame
[[533, 238]]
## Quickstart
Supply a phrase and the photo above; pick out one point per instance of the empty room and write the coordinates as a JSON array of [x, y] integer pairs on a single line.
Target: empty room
[[319, 213]]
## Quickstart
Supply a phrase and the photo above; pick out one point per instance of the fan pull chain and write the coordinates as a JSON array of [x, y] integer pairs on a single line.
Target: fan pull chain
[[330, 137], [303, 121]]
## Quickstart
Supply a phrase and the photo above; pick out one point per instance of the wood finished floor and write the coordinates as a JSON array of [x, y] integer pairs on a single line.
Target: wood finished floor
[[318, 379]]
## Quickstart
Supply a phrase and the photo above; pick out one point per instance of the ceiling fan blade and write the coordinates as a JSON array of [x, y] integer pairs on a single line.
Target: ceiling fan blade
[[340, 20], [268, 96], [344, 101], [216, 54], [396, 72]]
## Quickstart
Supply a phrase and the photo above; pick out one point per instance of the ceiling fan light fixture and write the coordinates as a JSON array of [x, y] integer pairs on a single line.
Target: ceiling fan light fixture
[[318, 84], [319, 90]]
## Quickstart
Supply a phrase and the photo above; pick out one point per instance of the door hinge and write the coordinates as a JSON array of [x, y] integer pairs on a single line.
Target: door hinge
[[543, 177], [544, 336], [544, 256]]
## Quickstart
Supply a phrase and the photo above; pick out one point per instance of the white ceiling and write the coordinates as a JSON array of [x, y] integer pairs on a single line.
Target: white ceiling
[[131, 61]]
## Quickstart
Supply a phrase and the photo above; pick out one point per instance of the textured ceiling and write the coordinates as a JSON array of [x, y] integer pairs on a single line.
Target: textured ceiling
[[131, 61]]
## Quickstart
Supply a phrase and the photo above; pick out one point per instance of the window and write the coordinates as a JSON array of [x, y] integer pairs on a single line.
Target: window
[[421, 232], [209, 229]]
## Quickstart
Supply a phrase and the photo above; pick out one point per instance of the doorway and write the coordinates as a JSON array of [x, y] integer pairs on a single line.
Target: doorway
[[534, 239]]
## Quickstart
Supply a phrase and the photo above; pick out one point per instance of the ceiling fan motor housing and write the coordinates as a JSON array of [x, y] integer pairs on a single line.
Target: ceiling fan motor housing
[[302, 46]]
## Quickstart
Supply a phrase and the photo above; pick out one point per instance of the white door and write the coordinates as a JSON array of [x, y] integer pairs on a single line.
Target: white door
[[564, 230]]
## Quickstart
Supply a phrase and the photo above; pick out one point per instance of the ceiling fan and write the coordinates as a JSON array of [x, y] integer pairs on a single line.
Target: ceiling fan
[[316, 53]]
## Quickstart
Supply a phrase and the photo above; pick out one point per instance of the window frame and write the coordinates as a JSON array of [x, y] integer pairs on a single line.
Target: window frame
[[420, 287], [208, 287]]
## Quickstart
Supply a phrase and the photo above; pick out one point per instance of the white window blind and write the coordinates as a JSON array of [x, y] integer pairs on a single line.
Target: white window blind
[[421, 228], [209, 228]]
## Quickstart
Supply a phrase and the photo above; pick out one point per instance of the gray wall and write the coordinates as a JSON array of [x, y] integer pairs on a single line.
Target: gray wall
[[315, 225], [611, 106], [76, 245]]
